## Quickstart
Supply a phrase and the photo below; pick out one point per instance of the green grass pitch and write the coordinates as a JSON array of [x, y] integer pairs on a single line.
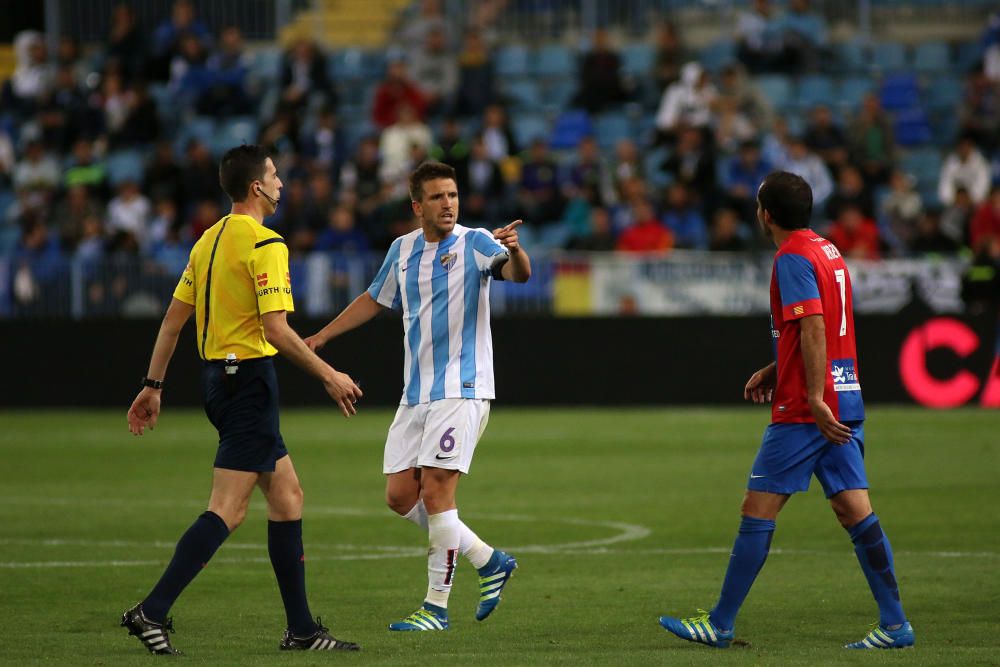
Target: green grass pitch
[[616, 516]]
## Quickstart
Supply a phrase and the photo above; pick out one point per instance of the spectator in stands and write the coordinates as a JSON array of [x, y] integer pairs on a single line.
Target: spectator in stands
[[200, 176], [600, 237], [341, 233], [32, 76], [901, 210], [129, 214], [480, 184], [803, 37], [141, 127], [725, 233], [850, 191], [600, 84], [646, 234], [452, 148], [283, 132], [435, 71], [742, 177], [325, 146], [164, 222], [89, 250], [669, 55], [539, 196], [393, 92], [731, 126], [84, 169], [750, 101], [37, 263], [163, 175], [304, 77], [979, 114], [497, 134], [114, 103], [956, 218], [967, 168], [758, 38], [687, 103], [872, 142], [413, 35], [7, 161], [985, 228], [167, 37], [228, 93], [990, 42], [693, 165], [627, 164], [826, 138], [397, 143], [290, 216], [205, 214], [320, 200], [360, 175], [928, 239], [36, 171], [64, 113], [68, 57], [803, 162], [588, 174], [856, 236], [774, 148], [684, 219], [126, 43], [981, 283], [475, 76], [68, 215]]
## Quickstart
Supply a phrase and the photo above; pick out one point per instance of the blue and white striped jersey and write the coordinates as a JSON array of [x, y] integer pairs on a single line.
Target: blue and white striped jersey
[[443, 291]]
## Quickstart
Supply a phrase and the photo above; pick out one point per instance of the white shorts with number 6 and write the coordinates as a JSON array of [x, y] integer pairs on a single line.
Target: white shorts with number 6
[[439, 434]]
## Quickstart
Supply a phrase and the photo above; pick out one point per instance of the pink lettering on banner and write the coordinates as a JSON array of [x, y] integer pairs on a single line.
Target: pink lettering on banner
[[924, 387]]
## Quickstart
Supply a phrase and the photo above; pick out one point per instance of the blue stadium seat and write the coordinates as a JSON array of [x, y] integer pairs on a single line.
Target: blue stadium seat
[[931, 57], [924, 164], [523, 94], [554, 60], [912, 127], [889, 56], [776, 89], [611, 128], [267, 64], [945, 93], [945, 127], [347, 64], [718, 54], [125, 165], [900, 91], [814, 91], [852, 91], [528, 127], [638, 59], [374, 64], [967, 54], [201, 128], [558, 94], [233, 132], [850, 57], [512, 60]]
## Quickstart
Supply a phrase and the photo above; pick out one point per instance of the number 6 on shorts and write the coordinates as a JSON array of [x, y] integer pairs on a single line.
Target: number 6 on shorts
[[447, 442]]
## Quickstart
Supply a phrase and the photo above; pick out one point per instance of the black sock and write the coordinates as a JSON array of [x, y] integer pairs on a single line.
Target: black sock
[[284, 545], [193, 552]]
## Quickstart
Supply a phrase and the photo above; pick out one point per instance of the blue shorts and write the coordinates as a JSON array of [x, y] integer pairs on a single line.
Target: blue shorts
[[244, 409], [791, 454]]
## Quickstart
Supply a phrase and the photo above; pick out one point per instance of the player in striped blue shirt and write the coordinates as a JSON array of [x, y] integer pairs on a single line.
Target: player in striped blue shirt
[[439, 278]]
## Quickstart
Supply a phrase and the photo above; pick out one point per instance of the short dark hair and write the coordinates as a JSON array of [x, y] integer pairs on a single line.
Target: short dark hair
[[428, 171], [788, 198], [240, 167]]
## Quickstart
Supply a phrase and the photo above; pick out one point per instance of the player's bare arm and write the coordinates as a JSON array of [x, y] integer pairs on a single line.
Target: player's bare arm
[[360, 311], [760, 386], [814, 357], [518, 267], [146, 407], [339, 386]]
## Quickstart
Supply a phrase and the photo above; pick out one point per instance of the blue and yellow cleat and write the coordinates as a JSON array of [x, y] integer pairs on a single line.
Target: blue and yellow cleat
[[428, 617], [492, 578], [879, 637], [698, 629]]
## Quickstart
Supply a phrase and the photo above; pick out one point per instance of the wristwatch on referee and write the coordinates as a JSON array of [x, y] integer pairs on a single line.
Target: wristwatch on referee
[[155, 384]]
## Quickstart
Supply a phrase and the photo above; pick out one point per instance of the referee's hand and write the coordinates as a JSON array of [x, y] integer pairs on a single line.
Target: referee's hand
[[145, 411], [343, 391]]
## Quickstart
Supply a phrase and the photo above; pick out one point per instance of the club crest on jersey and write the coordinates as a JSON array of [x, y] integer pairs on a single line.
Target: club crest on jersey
[[448, 260], [261, 279], [845, 377]]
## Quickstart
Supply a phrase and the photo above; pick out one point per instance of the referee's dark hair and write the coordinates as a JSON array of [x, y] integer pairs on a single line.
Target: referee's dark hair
[[428, 171], [788, 198], [240, 167]]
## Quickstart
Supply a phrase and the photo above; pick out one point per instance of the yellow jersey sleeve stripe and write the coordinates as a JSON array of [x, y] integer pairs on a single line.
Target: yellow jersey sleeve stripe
[[276, 239], [208, 286]]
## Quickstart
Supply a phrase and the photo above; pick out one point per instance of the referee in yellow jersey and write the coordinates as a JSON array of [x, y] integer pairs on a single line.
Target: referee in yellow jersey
[[237, 284]]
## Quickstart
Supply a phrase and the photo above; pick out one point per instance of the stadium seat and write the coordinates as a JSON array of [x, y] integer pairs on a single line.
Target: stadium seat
[[888, 57], [945, 93], [555, 61], [528, 127], [637, 60], [924, 164], [267, 65], [558, 94], [233, 132], [912, 127], [347, 64], [610, 128], [814, 91], [850, 57], [201, 128], [967, 55], [931, 58], [512, 61], [125, 165], [717, 55], [373, 64], [900, 91], [776, 89], [523, 94], [945, 127]]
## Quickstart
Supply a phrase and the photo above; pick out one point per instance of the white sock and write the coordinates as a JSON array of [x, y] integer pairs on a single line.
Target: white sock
[[443, 532], [473, 548]]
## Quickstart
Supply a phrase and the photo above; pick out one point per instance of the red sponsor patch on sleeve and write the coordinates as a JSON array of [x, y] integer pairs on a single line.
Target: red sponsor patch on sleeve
[[261, 279]]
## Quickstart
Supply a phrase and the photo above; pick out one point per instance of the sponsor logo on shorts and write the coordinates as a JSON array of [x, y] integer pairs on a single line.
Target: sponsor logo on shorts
[[445, 458]]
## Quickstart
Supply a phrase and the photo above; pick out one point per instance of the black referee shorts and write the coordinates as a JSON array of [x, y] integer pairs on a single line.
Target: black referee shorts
[[244, 409]]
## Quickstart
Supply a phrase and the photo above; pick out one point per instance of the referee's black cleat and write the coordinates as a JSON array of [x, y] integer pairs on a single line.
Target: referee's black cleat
[[153, 635], [321, 640]]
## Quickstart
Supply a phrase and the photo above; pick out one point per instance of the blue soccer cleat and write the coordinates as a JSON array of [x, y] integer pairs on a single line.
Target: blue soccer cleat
[[428, 617], [492, 578], [879, 637], [698, 629]]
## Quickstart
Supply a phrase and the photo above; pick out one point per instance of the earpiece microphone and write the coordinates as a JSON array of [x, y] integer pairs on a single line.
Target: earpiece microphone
[[274, 202]]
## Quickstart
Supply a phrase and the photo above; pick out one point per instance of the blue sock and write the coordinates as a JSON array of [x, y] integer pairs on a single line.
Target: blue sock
[[284, 546], [749, 553], [193, 552], [875, 555]]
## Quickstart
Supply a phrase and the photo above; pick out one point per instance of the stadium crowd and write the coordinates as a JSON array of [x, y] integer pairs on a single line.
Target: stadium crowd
[[99, 158]]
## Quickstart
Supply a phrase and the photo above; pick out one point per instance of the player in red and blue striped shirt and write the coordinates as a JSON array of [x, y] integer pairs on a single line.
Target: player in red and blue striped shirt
[[816, 421]]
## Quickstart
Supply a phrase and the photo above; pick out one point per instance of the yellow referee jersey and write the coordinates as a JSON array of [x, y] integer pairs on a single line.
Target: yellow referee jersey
[[237, 272]]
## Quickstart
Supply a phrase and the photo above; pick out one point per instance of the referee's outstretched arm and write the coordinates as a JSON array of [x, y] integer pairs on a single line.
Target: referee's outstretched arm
[[339, 386]]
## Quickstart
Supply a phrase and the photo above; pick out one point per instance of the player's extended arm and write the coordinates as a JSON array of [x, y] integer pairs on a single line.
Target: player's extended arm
[[145, 408], [813, 336], [360, 311], [339, 386], [518, 266]]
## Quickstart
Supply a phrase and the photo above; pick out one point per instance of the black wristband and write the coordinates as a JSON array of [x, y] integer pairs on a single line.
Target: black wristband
[[155, 384]]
